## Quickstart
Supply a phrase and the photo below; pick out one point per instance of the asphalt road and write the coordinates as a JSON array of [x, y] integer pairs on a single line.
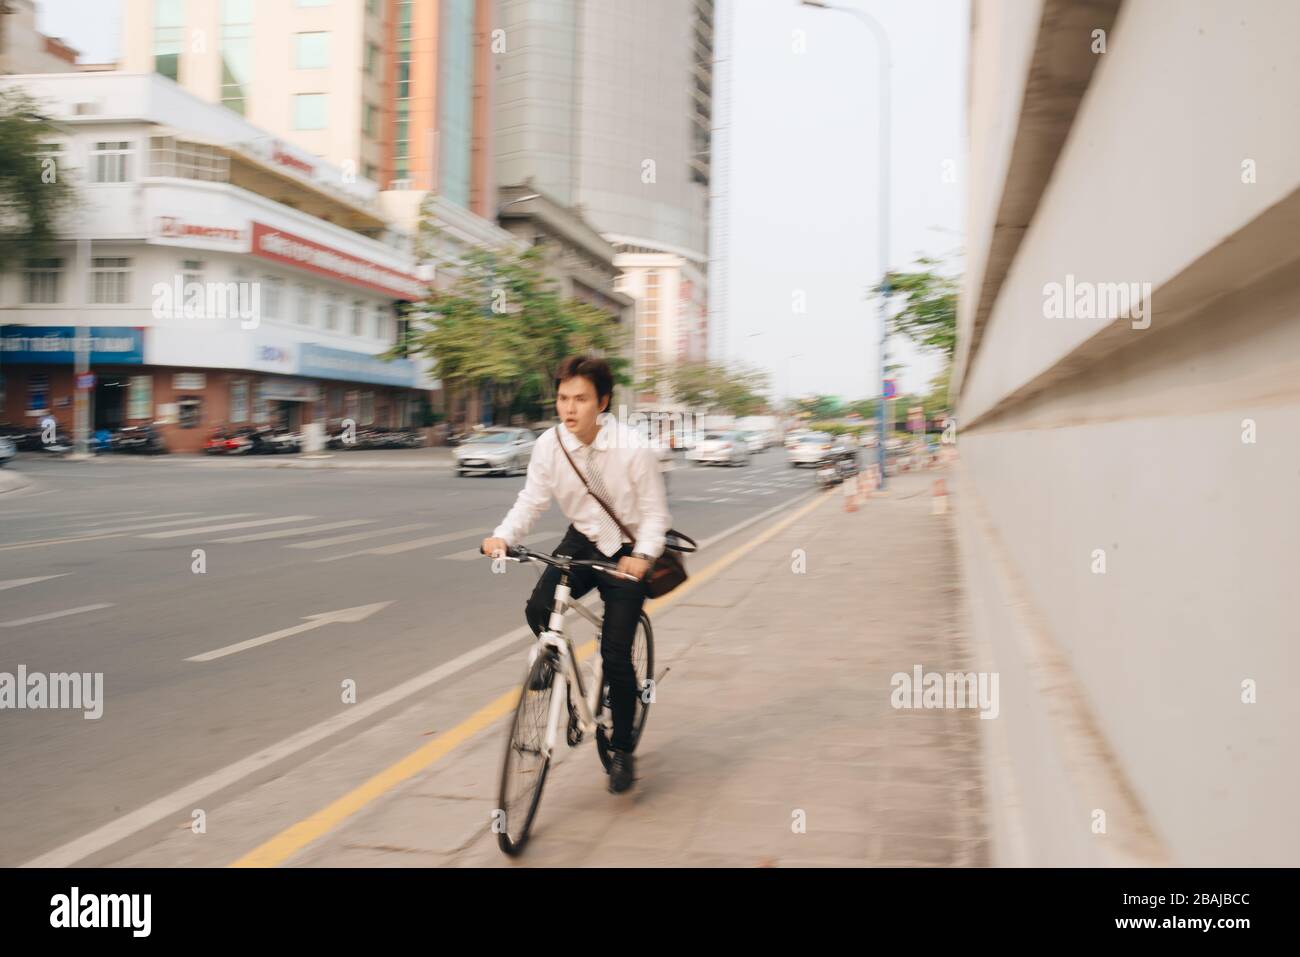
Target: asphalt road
[[97, 574]]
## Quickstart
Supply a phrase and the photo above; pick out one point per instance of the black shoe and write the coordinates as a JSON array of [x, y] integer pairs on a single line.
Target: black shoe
[[622, 771], [543, 678]]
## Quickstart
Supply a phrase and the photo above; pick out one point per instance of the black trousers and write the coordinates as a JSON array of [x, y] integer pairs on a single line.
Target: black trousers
[[623, 601]]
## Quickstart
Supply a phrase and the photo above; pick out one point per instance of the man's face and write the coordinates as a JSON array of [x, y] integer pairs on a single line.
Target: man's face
[[577, 405]]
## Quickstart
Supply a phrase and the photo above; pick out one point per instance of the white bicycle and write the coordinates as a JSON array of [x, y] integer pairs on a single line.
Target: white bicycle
[[548, 692]]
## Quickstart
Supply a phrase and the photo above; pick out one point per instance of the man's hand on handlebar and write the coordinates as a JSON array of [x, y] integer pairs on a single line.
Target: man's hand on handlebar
[[494, 547], [637, 567]]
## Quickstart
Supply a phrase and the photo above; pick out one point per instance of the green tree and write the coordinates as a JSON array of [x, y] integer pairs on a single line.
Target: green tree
[[929, 313], [35, 191], [711, 388], [502, 323]]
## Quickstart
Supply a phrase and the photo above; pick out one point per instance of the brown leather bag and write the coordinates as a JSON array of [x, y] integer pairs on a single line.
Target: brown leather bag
[[668, 570]]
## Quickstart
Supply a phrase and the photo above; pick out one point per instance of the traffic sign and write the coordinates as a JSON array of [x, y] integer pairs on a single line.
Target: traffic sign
[[86, 380], [890, 390]]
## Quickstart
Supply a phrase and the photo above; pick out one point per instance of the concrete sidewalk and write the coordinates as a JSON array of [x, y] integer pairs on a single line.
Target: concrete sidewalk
[[776, 711]]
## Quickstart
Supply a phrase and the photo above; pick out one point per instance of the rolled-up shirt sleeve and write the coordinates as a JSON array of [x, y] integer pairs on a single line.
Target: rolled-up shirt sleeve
[[534, 497], [653, 501]]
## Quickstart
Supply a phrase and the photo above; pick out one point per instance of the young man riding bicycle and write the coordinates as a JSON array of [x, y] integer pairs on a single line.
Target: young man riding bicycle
[[619, 467]]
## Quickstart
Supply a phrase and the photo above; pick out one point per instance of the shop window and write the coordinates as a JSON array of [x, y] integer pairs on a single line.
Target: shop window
[[38, 392], [239, 400], [367, 408], [139, 397], [42, 279], [190, 411]]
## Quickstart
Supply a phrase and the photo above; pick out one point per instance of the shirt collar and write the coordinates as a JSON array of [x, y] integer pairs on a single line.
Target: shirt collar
[[600, 442]]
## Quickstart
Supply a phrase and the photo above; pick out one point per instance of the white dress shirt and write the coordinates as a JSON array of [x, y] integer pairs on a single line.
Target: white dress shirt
[[630, 470]]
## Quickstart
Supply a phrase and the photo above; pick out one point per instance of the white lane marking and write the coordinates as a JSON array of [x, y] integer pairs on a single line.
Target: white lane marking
[[398, 548], [358, 536], [200, 517], [230, 527], [290, 532], [472, 554], [56, 541], [17, 582], [118, 518], [310, 622], [186, 797], [54, 614]]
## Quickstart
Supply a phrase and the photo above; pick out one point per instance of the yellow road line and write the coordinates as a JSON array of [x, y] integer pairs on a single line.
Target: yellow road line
[[311, 829]]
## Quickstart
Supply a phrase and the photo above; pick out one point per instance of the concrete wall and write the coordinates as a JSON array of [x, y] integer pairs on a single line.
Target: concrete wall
[[1122, 691]]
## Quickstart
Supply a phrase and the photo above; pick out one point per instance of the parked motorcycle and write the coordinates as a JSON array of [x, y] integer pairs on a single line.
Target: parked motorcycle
[[139, 440]]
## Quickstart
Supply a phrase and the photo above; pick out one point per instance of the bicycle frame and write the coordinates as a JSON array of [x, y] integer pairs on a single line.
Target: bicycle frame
[[568, 675]]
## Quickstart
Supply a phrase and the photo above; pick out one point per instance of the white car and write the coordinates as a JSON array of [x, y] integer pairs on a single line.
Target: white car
[[721, 448], [809, 449], [756, 441], [496, 450]]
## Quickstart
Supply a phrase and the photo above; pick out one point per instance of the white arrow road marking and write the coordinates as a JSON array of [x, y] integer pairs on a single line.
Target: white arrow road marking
[[223, 528], [54, 614], [310, 622], [16, 582]]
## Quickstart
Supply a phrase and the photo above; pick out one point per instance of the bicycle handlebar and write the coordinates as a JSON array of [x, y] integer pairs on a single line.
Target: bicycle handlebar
[[517, 553]]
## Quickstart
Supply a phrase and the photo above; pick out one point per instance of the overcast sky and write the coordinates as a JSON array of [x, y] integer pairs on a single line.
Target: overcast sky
[[804, 173]]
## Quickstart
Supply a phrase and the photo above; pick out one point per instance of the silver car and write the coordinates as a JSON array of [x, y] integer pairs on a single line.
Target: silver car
[[722, 448], [7, 450], [811, 448], [502, 451]]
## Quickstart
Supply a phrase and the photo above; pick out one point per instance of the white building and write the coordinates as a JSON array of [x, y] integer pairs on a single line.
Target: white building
[[176, 191], [671, 316]]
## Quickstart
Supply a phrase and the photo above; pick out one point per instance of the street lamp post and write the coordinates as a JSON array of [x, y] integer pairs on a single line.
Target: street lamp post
[[81, 336], [882, 42]]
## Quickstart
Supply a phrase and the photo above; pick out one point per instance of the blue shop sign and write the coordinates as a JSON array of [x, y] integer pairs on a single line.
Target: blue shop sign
[[56, 345], [323, 363]]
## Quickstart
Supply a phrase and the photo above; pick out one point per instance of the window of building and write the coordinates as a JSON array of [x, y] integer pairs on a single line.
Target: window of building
[[372, 58], [191, 271], [110, 280], [310, 111], [305, 306], [38, 392], [311, 51], [647, 326], [110, 162], [358, 321], [331, 311], [43, 280], [139, 397], [236, 53], [168, 37], [190, 408], [272, 294], [371, 120], [171, 157], [239, 400]]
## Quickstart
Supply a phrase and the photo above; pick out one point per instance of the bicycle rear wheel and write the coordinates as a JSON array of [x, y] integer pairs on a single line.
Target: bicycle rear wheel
[[523, 773], [643, 663]]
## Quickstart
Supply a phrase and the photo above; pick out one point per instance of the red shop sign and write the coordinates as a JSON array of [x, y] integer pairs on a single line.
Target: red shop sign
[[291, 250]]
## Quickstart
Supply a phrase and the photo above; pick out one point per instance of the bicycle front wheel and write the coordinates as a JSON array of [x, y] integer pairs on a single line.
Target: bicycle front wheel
[[523, 773], [643, 663]]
